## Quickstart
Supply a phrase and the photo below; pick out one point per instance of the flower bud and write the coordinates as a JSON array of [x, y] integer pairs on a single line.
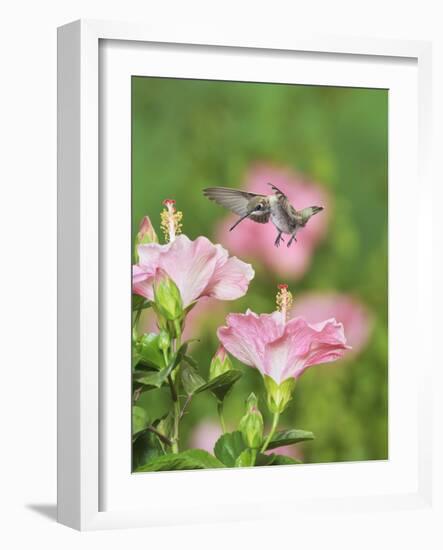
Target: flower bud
[[164, 340], [278, 395], [145, 235], [220, 363], [167, 298], [251, 425]]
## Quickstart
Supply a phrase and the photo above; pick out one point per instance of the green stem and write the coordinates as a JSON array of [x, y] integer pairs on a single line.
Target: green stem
[[185, 406], [136, 318], [220, 415], [159, 435], [174, 383], [174, 447], [174, 395], [176, 408], [271, 433], [165, 358]]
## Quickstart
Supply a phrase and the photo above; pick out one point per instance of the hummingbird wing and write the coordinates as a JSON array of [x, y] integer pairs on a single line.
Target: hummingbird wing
[[235, 200], [277, 192]]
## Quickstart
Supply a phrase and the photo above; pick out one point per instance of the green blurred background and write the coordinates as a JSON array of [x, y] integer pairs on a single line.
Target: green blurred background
[[189, 134]]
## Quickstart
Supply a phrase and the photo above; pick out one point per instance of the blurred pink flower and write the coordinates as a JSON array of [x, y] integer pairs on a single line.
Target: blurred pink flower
[[256, 241], [278, 348], [205, 435], [356, 319], [198, 268]]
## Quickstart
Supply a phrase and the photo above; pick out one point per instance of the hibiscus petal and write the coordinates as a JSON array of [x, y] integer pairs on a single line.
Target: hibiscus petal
[[198, 268], [246, 335], [149, 255], [139, 274], [277, 358], [326, 354], [231, 277], [190, 264], [356, 318], [142, 279], [143, 273], [303, 345]]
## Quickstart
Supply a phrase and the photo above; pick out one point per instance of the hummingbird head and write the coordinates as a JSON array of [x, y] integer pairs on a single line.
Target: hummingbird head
[[258, 206], [258, 209]]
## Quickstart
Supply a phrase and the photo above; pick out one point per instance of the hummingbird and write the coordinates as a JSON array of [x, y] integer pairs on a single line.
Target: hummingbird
[[264, 208]]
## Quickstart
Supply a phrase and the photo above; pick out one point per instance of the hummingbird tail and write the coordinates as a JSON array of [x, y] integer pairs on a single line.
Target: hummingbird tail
[[316, 209], [308, 212]]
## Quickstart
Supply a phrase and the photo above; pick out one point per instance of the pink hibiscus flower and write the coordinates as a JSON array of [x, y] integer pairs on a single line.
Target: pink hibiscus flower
[[256, 241], [278, 347], [198, 268], [355, 317]]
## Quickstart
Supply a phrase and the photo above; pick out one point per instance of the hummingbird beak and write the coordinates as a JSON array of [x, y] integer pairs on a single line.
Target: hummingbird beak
[[240, 220]]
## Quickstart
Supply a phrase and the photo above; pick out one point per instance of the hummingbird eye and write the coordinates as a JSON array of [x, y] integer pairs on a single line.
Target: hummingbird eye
[[259, 207]]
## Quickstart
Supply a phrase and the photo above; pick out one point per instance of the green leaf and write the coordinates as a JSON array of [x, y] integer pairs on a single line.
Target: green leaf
[[191, 379], [274, 460], [193, 459], [147, 347], [144, 368], [145, 448], [289, 437], [165, 425], [135, 358], [150, 380], [181, 353], [282, 460], [263, 460], [246, 458], [221, 385], [140, 303], [190, 360], [139, 419], [229, 447], [158, 378]]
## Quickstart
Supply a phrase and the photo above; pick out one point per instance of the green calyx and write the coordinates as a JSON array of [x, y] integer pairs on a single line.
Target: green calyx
[[167, 298], [278, 395]]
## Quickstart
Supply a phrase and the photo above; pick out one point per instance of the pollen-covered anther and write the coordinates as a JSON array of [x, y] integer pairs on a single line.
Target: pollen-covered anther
[[284, 300], [170, 220]]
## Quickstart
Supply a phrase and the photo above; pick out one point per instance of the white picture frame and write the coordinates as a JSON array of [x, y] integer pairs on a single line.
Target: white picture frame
[[95, 492]]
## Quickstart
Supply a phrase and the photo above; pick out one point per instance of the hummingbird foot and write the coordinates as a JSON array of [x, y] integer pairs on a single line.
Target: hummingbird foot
[[278, 240], [290, 241]]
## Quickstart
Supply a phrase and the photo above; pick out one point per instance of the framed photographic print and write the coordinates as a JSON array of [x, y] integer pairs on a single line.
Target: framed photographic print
[[236, 255]]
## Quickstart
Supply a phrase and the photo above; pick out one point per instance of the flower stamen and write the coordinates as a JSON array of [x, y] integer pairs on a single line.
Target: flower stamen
[[284, 300], [170, 220]]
